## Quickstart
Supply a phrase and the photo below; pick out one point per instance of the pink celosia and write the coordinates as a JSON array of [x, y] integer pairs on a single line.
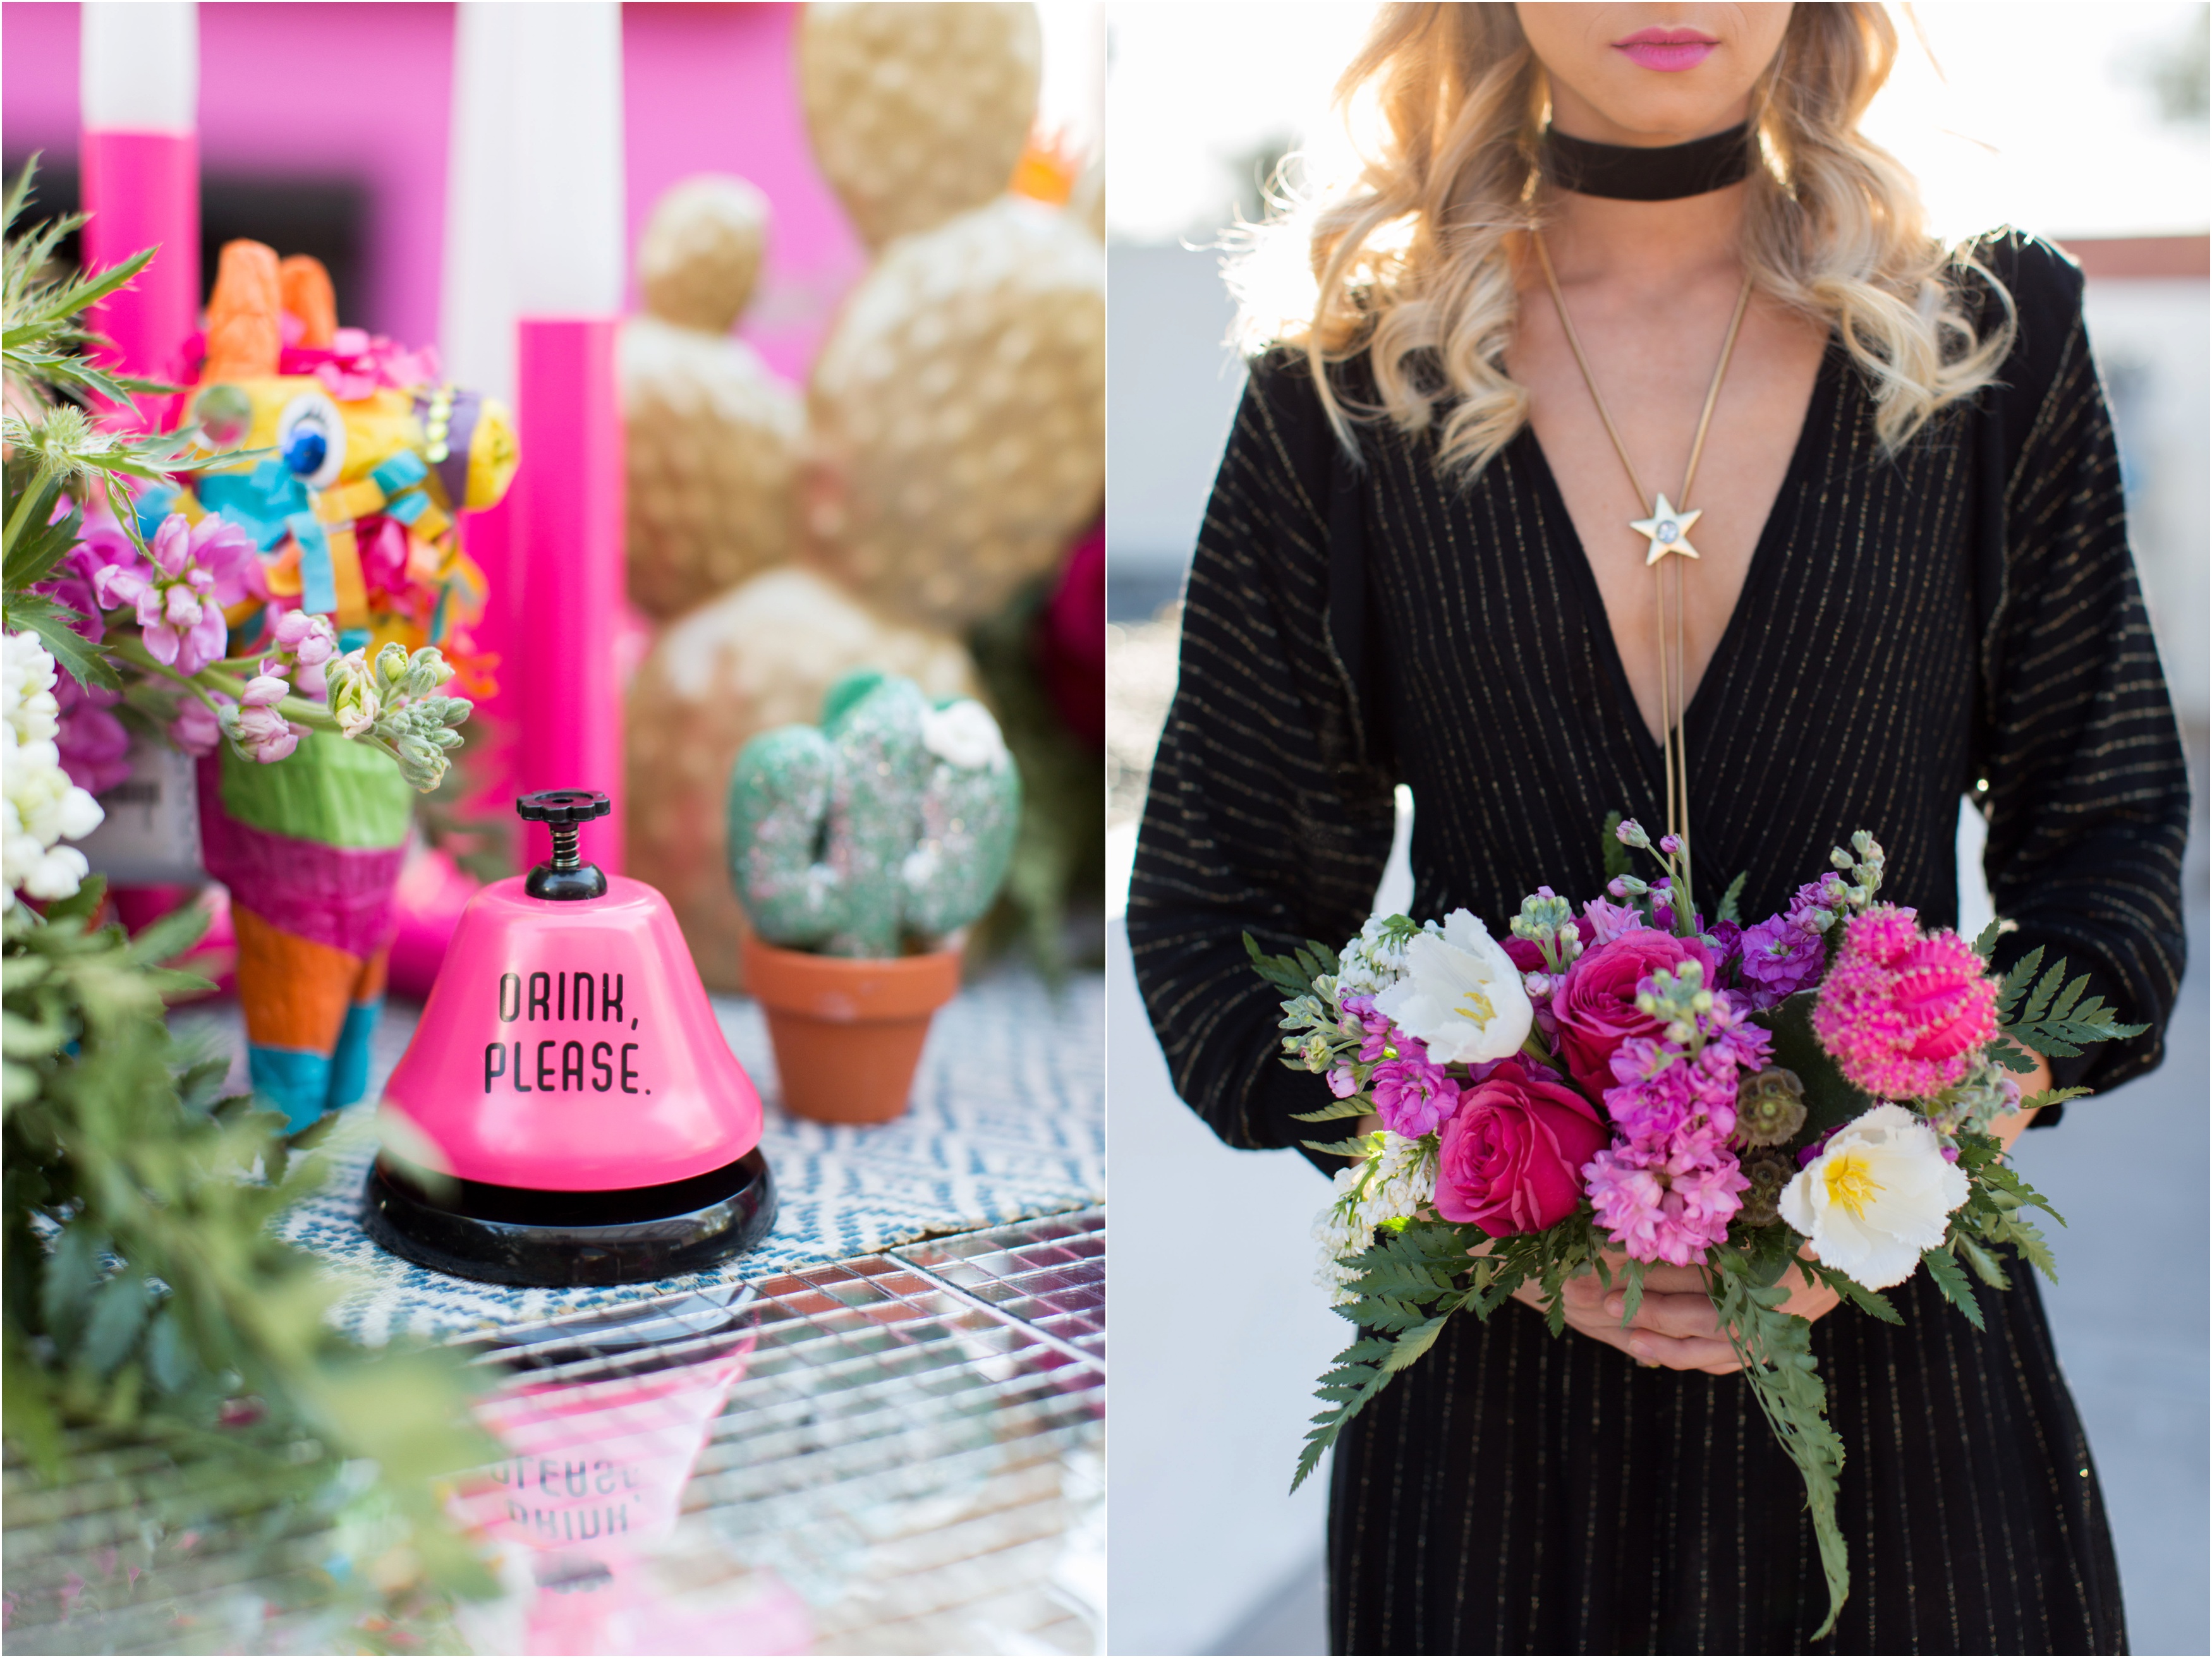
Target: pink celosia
[[1666, 1206], [1901, 1011]]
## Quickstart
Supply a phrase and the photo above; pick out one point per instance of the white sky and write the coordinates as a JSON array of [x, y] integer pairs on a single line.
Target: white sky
[[2040, 120]]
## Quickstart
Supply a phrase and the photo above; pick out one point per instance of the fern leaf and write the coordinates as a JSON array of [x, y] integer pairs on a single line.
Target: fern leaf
[[1953, 1284]]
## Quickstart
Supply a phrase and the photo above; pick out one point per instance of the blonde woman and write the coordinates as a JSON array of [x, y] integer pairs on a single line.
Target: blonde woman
[[1600, 249]]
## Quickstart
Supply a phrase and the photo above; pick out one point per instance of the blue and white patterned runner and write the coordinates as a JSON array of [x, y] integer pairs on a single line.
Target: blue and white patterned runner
[[1007, 1122]]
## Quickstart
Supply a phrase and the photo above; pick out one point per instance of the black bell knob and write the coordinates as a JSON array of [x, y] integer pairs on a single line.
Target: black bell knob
[[563, 810]]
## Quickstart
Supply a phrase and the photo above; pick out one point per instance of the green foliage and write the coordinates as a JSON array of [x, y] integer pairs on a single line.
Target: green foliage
[[1831, 1100], [147, 1305], [158, 1343], [1294, 973], [1414, 1279], [2049, 1016], [1731, 901], [1775, 1348], [1995, 1215], [1059, 849]]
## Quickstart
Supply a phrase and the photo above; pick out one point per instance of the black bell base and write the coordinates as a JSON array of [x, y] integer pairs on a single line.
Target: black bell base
[[569, 1240]]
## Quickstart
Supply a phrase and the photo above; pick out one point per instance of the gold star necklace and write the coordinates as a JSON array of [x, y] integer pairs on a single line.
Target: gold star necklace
[[1667, 531]]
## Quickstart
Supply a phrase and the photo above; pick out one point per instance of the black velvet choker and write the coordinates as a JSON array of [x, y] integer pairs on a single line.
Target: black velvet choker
[[1624, 174]]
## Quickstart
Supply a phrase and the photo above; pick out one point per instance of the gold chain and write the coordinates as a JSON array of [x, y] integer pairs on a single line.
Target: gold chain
[[1673, 678]]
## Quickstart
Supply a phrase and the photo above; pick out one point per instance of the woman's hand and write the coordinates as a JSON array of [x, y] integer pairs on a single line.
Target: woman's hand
[[1677, 1327]]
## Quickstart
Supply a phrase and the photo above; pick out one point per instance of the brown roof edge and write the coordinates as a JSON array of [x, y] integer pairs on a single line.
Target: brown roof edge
[[2140, 256]]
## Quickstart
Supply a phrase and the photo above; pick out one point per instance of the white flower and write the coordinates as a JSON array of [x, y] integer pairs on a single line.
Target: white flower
[[1461, 994], [1372, 961], [1876, 1196], [1403, 1181], [963, 734], [42, 805]]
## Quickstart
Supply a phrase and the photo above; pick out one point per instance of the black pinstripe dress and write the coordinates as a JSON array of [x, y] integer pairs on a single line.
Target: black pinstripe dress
[[1967, 610]]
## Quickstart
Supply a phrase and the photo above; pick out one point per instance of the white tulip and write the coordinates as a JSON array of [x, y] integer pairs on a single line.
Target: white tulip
[[1461, 994], [1879, 1193]]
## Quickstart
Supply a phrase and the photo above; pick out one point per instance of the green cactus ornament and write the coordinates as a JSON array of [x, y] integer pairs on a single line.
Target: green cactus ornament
[[891, 822]]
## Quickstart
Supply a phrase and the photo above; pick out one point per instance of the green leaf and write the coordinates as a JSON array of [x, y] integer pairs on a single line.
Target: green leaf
[[2015, 983], [1354, 1147], [1415, 1342], [1953, 1284], [2053, 1097], [72, 1274], [1871, 1301], [1986, 940], [119, 1313], [1729, 900], [1334, 1111], [1984, 1264], [1830, 1101], [51, 620], [169, 937]]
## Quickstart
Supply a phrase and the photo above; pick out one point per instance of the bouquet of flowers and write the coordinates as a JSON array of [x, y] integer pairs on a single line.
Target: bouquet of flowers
[[1594, 1093]]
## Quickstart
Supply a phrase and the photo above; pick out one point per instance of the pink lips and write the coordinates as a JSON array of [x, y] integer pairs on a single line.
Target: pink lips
[[1669, 50]]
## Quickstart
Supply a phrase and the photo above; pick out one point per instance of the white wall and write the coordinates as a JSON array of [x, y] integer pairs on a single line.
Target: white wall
[[2153, 340], [1176, 384]]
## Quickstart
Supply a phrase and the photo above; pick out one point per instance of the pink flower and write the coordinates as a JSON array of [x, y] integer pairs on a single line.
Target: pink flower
[[260, 733], [1606, 922], [197, 570], [1670, 1205], [94, 747], [1902, 1011], [308, 638], [1413, 1097], [1596, 1002], [1508, 1159], [195, 729], [1665, 1098]]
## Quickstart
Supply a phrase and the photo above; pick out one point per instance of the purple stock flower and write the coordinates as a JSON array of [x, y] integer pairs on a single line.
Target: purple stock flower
[[1780, 958]]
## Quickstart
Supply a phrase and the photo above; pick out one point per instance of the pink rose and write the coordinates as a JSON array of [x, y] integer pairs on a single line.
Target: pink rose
[[1596, 1002], [1510, 1157]]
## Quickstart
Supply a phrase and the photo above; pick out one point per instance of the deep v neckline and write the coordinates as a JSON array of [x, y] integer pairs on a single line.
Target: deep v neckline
[[1583, 574]]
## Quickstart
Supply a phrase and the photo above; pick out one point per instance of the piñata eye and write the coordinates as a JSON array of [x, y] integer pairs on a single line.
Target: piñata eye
[[311, 438]]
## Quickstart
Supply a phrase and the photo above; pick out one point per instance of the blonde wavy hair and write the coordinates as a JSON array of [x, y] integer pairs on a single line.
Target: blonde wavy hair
[[1411, 255]]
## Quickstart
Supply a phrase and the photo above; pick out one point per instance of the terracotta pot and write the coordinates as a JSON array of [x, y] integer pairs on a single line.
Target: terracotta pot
[[848, 1033]]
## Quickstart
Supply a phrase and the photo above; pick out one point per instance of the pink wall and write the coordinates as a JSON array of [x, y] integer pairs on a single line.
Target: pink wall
[[363, 91], [355, 91]]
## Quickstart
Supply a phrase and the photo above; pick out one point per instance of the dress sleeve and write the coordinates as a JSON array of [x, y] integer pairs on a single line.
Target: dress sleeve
[[1267, 813], [2088, 796]]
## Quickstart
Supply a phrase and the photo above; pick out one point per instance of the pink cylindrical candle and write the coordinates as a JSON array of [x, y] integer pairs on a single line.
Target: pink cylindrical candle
[[560, 693], [142, 189]]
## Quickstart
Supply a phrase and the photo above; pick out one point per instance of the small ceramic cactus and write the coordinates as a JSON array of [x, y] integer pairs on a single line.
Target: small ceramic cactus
[[892, 822]]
